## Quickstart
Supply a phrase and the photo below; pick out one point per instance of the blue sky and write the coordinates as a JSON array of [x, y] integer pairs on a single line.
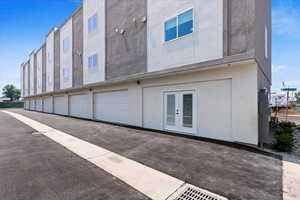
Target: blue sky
[[24, 24]]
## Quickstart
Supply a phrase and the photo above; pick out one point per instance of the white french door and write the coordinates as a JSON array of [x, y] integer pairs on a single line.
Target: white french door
[[180, 111]]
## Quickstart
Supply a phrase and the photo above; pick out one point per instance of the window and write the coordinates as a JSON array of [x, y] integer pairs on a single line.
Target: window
[[66, 44], [92, 23], [66, 73], [180, 25], [49, 79], [49, 57], [93, 61]]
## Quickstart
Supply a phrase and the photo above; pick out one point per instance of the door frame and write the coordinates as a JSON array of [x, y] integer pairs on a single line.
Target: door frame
[[187, 131]]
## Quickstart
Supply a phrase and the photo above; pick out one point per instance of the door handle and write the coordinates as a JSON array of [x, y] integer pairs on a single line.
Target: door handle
[[177, 112]]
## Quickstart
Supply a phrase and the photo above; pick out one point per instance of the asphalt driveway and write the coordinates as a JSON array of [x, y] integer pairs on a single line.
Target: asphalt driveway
[[228, 171], [35, 168]]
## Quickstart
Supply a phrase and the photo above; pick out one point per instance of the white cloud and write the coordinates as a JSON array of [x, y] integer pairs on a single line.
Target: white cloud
[[286, 19], [276, 68]]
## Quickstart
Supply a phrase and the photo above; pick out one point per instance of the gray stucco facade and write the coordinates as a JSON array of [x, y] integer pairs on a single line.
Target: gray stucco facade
[[77, 21], [57, 60], [44, 60], [125, 53], [35, 74]]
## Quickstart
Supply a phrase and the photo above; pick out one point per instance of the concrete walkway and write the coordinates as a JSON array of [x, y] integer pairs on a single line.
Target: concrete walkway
[[291, 181]]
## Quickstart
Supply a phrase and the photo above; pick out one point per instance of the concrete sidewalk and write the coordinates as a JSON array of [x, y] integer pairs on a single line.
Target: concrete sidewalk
[[230, 172]]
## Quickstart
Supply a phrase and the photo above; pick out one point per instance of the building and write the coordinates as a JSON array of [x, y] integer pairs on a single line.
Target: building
[[193, 67]]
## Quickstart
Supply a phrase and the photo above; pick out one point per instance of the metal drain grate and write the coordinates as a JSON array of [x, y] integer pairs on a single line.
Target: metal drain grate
[[190, 192], [36, 133]]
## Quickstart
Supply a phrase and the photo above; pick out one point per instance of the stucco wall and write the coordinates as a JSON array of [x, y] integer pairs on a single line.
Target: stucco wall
[[263, 42], [50, 62], [78, 48], [241, 26], [94, 43], [57, 60], [126, 54], [26, 79], [22, 80], [39, 62], [66, 57], [31, 74], [205, 43], [44, 66]]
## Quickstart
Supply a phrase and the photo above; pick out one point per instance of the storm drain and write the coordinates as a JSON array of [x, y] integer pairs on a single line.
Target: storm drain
[[190, 192], [37, 133]]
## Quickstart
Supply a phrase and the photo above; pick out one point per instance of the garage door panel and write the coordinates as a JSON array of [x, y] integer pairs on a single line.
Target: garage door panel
[[39, 105], [48, 107], [112, 107], [32, 105], [79, 106], [60, 105]]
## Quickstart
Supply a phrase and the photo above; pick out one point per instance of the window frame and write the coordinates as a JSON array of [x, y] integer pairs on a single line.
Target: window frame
[[92, 60], [93, 16], [177, 25], [66, 41]]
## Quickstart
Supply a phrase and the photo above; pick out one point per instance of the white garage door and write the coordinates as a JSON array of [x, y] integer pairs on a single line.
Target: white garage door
[[39, 105], [60, 105], [112, 107], [26, 105], [48, 105], [32, 104], [79, 106]]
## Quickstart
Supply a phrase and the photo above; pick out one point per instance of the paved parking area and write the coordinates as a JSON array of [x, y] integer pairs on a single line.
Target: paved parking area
[[35, 168], [228, 171]]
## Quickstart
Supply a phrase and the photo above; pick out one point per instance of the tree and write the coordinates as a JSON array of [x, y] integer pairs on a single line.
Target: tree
[[297, 95], [10, 91]]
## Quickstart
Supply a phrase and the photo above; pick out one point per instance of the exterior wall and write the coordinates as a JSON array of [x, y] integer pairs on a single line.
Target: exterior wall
[[126, 54], [205, 43], [50, 62], [241, 26], [66, 58], [263, 42], [31, 73], [35, 74], [94, 43], [78, 48], [44, 67], [234, 118], [26, 79], [39, 70], [22, 80], [57, 60]]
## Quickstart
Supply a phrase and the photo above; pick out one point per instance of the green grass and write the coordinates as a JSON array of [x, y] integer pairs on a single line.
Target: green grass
[[12, 105]]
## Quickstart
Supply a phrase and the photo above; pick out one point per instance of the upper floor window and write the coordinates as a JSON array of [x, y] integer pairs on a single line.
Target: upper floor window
[[180, 25], [49, 57], [66, 44], [92, 23], [93, 61], [66, 73]]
